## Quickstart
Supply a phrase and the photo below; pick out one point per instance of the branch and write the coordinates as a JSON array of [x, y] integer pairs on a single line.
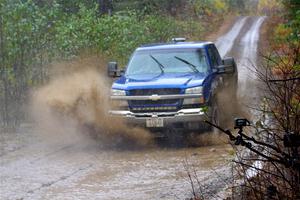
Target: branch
[[284, 80], [239, 140]]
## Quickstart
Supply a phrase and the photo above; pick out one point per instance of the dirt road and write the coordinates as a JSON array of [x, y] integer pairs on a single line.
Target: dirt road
[[32, 167]]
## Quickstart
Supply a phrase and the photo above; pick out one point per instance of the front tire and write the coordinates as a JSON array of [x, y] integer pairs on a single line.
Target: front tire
[[213, 116]]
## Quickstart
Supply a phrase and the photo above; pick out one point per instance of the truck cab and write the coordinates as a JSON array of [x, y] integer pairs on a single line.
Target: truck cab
[[171, 85]]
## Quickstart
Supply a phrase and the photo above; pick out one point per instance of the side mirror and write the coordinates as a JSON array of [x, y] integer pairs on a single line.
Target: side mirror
[[222, 69], [228, 66], [112, 70]]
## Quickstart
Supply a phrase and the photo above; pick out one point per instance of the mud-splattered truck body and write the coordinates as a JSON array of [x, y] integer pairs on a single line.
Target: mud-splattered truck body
[[171, 85]]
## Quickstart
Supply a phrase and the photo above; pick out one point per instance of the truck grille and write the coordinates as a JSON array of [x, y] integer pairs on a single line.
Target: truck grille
[[154, 109], [148, 92], [150, 102], [149, 105]]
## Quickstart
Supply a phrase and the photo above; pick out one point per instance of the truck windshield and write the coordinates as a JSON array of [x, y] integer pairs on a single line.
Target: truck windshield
[[167, 61]]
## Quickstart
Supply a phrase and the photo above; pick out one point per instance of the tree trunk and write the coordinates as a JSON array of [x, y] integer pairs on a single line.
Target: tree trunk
[[3, 77], [105, 7]]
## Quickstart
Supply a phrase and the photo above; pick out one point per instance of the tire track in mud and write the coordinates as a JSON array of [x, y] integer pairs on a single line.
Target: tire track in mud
[[15, 149], [226, 42], [7, 141], [60, 179], [33, 176], [246, 52], [46, 155], [23, 151], [250, 40], [243, 46]]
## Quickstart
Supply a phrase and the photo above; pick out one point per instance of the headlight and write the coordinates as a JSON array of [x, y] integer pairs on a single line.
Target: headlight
[[115, 92], [194, 90]]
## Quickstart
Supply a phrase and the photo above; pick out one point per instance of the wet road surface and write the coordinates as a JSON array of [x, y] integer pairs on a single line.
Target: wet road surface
[[84, 170], [31, 167]]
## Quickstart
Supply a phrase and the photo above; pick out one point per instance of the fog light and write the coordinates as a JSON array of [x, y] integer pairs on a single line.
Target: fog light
[[189, 101]]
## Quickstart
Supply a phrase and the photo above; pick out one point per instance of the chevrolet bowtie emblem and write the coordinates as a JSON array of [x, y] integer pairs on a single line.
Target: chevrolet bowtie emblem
[[154, 97]]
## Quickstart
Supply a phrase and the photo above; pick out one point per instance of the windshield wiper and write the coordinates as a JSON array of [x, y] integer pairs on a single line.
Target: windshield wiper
[[193, 67], [161, 66]]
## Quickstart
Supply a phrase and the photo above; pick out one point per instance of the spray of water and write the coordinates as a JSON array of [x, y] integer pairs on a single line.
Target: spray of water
[[76, 100]]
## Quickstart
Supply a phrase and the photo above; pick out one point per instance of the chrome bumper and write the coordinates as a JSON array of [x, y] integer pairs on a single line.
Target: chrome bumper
[[183, 115]]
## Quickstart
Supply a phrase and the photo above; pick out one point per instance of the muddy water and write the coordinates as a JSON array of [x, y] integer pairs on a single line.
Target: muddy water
[[70, 166], [34, 169]]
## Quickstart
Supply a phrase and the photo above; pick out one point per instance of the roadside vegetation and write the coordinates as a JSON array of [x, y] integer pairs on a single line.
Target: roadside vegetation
[[35, 33], [268, 163]]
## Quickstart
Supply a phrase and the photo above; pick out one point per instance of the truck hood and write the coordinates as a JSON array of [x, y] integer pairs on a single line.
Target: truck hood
[[160, 81]]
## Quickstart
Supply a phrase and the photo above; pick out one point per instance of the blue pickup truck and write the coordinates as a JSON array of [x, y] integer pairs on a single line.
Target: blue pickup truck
[[172, 85]]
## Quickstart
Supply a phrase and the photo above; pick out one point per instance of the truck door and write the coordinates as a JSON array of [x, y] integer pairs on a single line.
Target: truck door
[[215, 61]]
